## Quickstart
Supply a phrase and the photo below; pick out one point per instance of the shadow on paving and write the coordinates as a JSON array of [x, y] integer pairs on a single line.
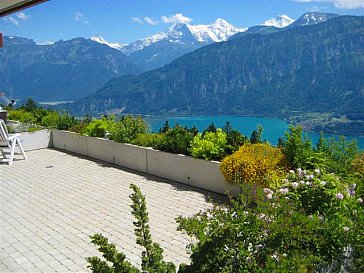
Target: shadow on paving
[[210, 197]]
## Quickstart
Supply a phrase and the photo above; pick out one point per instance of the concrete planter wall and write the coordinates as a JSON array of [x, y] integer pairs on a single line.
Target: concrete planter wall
[[36, 140], [184, 169]]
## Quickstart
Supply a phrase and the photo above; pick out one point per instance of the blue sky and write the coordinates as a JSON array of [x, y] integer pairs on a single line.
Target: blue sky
[[124, 21]]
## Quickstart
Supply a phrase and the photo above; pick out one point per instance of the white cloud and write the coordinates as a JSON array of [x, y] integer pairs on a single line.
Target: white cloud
[[79, 16], [12, 20], [22, 16], [137, 20], [150, 21], [341, 4], [177, 18]]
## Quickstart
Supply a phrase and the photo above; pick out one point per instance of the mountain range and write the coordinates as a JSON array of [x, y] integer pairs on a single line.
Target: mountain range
[[181, 38], [65, 70], [317, 67]]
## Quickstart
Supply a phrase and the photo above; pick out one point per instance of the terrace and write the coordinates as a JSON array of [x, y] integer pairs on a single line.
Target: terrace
[[52, 202]]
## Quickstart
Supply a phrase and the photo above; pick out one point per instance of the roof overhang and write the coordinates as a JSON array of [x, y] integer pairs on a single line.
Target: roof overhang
[[10, 6]]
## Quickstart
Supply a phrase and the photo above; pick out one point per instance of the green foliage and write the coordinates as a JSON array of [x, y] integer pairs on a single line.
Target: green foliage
[[210, 129], [22, 116], [331, 155], [66, 121], [99, 127], [211, 146], [111, 255], [299, 227], [50, 120], [152, 255], [256, 136], [176, 140], [234, 138], [165, 127], [338, 154], [30, 105], [127, 129], [148, 140], [296, 148], [258, 164]]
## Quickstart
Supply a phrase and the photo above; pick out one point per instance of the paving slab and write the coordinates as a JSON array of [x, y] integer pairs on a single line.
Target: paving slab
[[52, 202]]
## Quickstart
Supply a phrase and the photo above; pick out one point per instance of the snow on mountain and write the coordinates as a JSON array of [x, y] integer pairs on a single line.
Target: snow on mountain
[[183, 33], [218, 31], [101, 40], [280, 21], [313, 18]]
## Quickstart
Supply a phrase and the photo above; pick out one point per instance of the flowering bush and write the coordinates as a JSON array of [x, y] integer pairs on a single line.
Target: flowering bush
[[312, 221], [259, 164]]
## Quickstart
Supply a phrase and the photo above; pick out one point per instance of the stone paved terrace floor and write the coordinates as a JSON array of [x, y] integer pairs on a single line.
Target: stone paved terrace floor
[[51, 203]]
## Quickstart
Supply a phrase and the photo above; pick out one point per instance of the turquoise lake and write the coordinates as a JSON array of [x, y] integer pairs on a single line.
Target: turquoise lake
[[272, 128]]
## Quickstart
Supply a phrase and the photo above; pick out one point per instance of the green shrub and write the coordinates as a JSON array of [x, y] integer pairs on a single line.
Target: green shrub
[[234, 138], [22, 116], [296, 148], [148, 140], [66, 121], [127, 129], [176, 140], [99, 127], [211, 146], [307, 223], [152, 255], [50, 120]]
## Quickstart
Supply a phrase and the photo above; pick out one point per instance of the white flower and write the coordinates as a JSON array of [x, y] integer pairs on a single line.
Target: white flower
[[267, 191], [308, 183], [283, 191], [269, 196], [317, 171], [360, 200], [339, 196], [294, 185], [323, 183], [302, 182], [275, 256], [291, 171], [346, 229]]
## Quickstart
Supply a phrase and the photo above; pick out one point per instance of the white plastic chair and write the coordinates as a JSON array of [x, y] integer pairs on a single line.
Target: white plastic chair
[[9, 141]]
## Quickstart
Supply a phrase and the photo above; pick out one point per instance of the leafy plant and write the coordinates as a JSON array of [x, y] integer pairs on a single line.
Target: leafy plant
[[306, 224], [176, 140], [297, 148], [211, 146], [127, 129], [152, 255], [234, 138]]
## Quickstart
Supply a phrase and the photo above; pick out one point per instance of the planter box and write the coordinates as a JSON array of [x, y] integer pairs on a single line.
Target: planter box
[[36, 140], [188, 170], [70, 141], [180, 168]]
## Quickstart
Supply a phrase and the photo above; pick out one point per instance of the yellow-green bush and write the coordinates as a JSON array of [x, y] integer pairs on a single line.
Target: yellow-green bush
[[259, 164], [358, 164]]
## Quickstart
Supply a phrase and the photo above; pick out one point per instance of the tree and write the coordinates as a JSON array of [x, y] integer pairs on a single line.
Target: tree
[[256, 136], [211, 128]]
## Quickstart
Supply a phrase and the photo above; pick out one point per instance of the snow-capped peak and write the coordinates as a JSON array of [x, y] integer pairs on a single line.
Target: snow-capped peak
[[280, 21], [313, 18], [101, 40], [218, 31]]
